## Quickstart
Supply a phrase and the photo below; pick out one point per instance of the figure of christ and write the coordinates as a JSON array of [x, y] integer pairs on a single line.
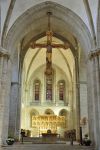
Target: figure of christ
[[49, 45]]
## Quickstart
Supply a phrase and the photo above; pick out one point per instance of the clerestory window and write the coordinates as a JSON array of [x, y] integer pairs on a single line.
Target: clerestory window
[[61, 87], [37, 90]]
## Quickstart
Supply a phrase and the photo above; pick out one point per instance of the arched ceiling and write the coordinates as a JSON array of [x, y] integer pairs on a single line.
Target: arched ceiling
[[66, 25], [35, 58], [29, 24], [77, 6]]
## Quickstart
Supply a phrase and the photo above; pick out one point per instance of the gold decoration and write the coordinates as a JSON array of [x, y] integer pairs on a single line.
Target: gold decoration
[[45, 122]]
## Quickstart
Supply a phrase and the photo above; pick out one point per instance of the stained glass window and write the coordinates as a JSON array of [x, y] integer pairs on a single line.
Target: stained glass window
[[49, 87], [37, 90], [61, 90]]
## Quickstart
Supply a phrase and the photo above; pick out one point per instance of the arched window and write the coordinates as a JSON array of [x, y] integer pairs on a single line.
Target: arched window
[[37, 90], [49, 87], [49, 112], [61, 87], [63, 112]]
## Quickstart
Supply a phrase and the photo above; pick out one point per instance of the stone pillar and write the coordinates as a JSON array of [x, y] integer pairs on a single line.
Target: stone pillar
[[14, 114], [98, 25], [15, 99], [95, 99], [77, 100], [70, 105], [90, 90], [4, 95]]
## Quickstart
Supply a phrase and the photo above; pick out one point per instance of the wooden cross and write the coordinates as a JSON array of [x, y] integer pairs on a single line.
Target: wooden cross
[[49, 45]]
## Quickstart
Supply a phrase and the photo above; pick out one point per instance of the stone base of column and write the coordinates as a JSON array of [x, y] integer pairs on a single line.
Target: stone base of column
[[2, 142]]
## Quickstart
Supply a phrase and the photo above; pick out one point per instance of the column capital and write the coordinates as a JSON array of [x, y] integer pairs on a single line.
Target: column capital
[[94, 53], [4, 52]]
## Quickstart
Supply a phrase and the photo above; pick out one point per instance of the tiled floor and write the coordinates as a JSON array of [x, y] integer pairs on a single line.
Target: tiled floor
[[46, 147]]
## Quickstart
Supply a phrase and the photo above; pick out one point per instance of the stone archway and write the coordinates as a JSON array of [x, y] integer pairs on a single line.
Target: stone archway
[[49, 112], [32, 20]]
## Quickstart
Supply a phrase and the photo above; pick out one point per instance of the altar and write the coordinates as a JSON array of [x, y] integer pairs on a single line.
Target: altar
[[49, 137], [42, 123]]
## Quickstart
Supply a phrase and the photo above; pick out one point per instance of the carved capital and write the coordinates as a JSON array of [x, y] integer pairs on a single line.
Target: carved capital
[[94, 53], [4, 52]]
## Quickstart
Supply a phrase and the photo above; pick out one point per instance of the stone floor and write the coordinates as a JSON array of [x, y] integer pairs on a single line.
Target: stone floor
[[45, 147]]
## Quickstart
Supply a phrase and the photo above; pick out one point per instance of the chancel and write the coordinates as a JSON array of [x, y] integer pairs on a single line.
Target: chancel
[[50, 74]]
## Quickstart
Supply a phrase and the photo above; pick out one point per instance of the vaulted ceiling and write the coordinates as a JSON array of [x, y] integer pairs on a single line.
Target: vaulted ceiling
[[61, 58], [25, 21], [86, 10]]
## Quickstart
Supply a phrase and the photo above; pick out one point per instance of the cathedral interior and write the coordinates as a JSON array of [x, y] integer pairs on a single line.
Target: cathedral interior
[[49, 86]]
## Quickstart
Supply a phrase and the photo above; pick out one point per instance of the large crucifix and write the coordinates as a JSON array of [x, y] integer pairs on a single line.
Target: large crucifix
[[49, 45]]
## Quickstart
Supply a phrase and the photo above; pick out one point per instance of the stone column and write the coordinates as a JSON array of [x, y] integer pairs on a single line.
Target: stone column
[[4, 95], [14, 117], [15, 99], [70, 105], [90, 90], [95, 60], [98, 25], [77, 100]]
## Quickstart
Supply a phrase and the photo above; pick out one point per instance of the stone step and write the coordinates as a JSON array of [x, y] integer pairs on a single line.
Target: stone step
[[32, 139], [40, 140], [29, 146]]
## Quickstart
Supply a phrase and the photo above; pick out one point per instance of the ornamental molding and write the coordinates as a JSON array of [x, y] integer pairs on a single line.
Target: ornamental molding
[[4, 52], [94, 53]]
